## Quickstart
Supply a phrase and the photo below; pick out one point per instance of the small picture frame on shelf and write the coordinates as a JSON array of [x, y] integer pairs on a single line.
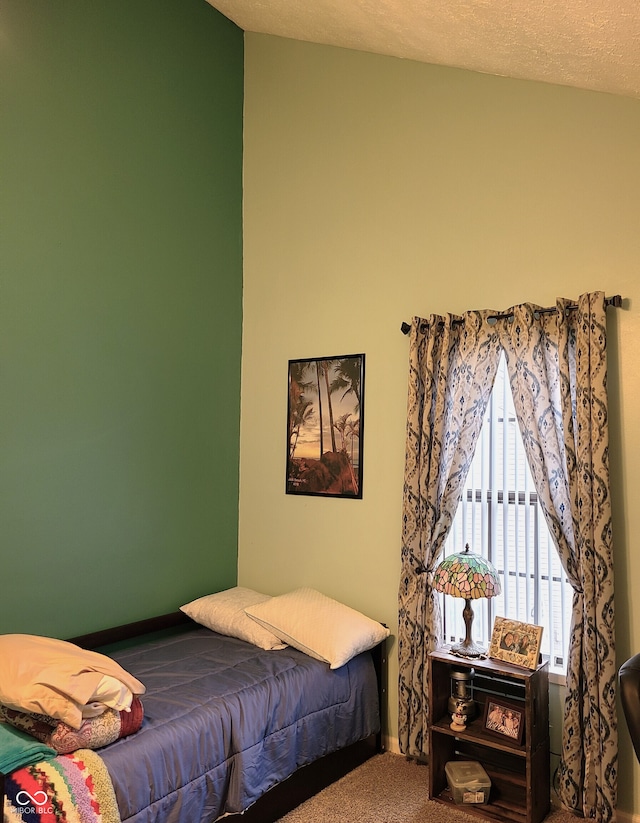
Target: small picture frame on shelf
[[516, 642], [504, 718]]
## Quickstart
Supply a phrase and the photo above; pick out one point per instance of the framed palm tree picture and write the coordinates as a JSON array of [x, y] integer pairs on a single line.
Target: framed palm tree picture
[[325, 416]]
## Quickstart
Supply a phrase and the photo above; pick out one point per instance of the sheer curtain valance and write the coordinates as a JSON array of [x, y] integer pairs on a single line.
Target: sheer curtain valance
[[556, 361]]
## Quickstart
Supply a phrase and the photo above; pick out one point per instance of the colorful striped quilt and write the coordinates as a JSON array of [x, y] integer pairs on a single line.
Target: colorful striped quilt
[[70, 788]]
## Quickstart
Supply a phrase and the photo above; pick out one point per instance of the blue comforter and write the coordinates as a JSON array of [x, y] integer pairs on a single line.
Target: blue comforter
[[225, 721]]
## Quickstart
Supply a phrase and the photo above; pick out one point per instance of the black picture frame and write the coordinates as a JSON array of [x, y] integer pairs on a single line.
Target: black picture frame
[[325, 426], [504, 718]]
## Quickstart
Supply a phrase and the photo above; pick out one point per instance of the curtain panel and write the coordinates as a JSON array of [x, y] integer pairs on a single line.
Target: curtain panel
[[557, 371], [452, 366]]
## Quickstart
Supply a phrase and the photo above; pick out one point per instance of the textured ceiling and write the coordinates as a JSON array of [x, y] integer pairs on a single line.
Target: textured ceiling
[[590, 44]]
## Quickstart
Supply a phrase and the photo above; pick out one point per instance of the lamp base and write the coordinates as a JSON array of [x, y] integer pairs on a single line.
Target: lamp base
[[468, 649]]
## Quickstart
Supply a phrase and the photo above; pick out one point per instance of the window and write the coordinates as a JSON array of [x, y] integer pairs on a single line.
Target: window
[[500, 518]]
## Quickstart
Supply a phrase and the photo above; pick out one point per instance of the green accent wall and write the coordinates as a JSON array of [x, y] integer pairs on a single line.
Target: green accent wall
[[120, 309]]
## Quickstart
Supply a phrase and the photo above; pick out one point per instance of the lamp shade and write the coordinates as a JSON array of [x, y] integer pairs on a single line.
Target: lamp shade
[[469, 576]]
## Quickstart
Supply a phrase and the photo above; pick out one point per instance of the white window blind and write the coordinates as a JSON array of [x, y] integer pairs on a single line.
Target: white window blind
[[500, 518]]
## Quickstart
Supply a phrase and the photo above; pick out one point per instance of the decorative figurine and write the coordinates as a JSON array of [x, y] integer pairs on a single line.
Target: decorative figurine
[[459, 718]]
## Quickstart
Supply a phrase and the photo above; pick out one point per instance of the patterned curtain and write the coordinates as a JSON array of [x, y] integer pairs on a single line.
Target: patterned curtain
[[452, 366], [557, 369], [558, 372]]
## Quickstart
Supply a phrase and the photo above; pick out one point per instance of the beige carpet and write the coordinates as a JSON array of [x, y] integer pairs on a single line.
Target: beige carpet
[[386, 789]]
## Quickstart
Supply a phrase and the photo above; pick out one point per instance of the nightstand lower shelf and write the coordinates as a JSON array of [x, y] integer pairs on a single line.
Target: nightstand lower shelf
[[508, 775], [496, 811], [505, 798]]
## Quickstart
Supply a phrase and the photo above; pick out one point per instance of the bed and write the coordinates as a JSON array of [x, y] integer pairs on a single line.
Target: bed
[[231, 729]]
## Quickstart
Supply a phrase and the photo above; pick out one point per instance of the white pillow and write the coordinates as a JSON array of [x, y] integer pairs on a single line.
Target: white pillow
[[319, 626], [223, 612]]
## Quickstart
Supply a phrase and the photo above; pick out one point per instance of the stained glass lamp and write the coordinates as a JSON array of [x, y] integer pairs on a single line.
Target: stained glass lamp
[[469, 576]]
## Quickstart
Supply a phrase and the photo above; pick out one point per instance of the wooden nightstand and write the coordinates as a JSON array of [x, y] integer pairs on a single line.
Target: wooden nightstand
[[519, 769]]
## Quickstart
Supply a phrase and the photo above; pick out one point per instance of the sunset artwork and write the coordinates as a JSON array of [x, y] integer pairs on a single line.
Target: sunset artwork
[[324, 426]]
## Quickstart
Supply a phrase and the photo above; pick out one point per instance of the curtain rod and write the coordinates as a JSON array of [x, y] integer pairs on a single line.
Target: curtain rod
[[615, 301]]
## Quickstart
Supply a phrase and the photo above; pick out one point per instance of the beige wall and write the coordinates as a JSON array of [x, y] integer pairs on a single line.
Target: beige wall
[[376, 189]]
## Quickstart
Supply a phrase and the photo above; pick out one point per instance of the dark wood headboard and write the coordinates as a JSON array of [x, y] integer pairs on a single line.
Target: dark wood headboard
[[127, 631]]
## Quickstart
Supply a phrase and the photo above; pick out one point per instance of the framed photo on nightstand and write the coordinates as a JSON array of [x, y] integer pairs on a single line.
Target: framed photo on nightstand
[[516, 642], [504, 718]]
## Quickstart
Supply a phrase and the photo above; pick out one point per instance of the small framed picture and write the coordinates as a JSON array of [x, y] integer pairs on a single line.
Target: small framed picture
[[516, 642], [504, 718]]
